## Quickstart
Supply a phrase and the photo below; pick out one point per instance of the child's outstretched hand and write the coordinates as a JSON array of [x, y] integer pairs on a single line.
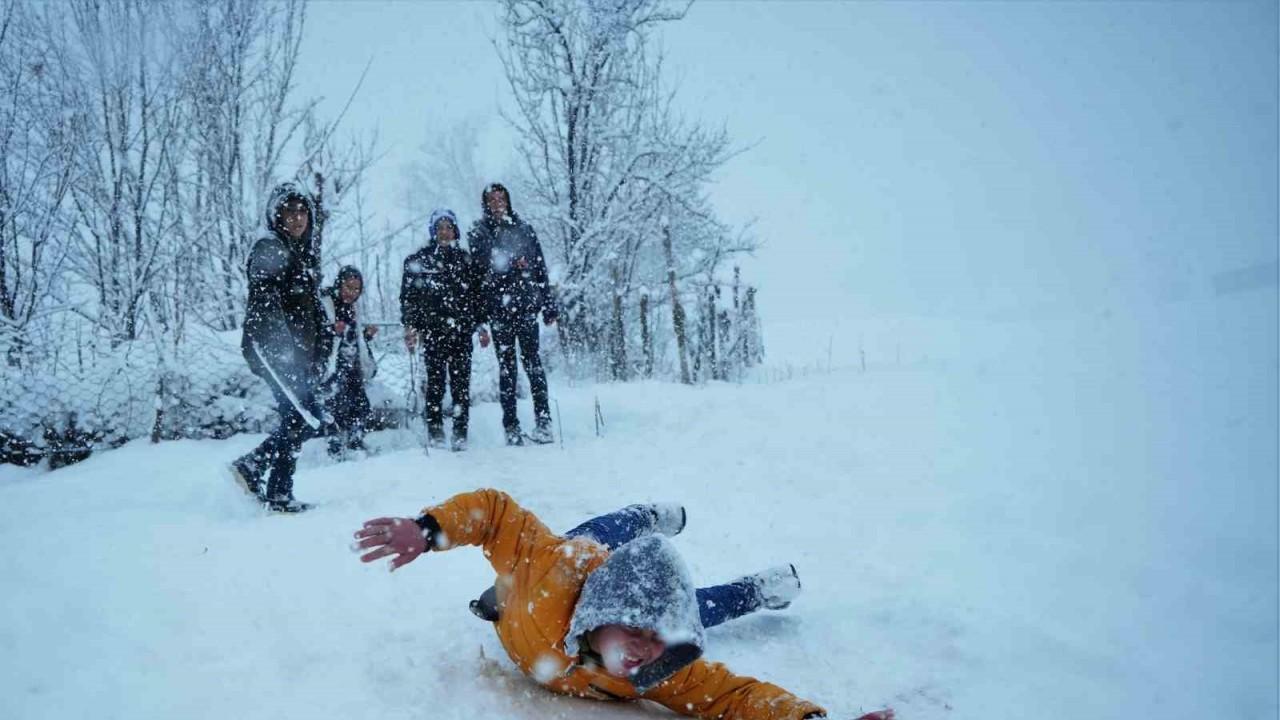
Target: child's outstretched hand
[[385, 536]]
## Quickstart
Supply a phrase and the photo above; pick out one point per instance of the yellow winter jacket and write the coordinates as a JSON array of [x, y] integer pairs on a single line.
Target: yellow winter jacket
[[540, 576]]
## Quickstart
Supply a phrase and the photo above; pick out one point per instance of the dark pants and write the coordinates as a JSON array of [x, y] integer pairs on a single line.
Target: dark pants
[[350, 408], [508, 332], [278, 454], [716, 604], [448, 357]]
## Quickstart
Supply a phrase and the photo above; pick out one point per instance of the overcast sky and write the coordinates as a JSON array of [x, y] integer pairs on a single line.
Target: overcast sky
[[985, 159]]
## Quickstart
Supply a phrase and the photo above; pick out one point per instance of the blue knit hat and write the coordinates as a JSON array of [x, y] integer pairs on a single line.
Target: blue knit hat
[[435, 218]]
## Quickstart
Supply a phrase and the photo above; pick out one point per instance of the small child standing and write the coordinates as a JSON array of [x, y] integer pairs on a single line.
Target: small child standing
[[350, 364]]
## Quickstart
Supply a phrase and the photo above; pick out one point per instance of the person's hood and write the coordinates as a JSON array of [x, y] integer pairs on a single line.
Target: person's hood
[[346, 273], [643, 584], [496, 187], [282, 193], [435, 217]]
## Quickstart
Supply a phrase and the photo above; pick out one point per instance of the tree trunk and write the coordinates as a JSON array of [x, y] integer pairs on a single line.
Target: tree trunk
[[646, 336], [677, 310], [755, 342], [617, 336], [713, 341]]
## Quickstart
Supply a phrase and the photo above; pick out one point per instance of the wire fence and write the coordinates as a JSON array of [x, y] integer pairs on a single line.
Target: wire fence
[[61, 405], [69, 392]]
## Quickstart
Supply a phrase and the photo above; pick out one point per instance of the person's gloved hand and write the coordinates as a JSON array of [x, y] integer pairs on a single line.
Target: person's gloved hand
[[410, 338], [370, 331], [484, 337], [401, 537], [549, 315]]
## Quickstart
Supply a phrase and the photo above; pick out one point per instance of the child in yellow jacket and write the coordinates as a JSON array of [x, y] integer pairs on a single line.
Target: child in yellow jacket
[[606, 611]]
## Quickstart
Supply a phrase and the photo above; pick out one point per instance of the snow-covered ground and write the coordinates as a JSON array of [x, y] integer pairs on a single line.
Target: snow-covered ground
[[1072, 519]]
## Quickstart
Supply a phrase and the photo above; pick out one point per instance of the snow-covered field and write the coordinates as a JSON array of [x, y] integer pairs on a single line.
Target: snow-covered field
[[1074, 519]]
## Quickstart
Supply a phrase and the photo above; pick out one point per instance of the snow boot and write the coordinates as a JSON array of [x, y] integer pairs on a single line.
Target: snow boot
[[458, 442], [514, 436], [435, 436], [668, 518], [248, 476], [287, 504], [777, 586], [485, 607], [542, 432]]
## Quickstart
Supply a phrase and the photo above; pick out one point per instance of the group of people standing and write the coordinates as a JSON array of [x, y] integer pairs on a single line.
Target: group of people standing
[[312, 350], [606, 611]]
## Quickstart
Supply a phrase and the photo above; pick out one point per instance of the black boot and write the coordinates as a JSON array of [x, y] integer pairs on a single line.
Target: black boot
[[542, 432], [335, 448], [287, 504], [514, 436], [485, 607], [248, 475], [435, 435]]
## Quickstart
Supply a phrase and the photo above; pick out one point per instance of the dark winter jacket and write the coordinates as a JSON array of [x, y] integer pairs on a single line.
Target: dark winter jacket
[[553, 589], [284, 323], [438, 291], [510, 264], [349, 354]]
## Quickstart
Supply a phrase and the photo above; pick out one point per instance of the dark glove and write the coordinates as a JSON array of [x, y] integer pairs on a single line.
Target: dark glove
[[550, 314]]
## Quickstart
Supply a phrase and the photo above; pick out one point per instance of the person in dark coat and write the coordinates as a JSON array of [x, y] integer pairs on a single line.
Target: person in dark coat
[[284, 342], [514, 289], [440, 310], [351, 364]]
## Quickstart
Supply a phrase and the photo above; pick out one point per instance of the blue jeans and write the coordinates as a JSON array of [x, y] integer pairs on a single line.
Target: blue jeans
[[716, 604]]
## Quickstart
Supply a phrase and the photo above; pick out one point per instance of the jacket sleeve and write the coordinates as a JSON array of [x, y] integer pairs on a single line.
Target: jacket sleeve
[[709, 690], [328, 316], [540, 280], [409, 310], [266, 269], [506, 532], [368, 365], [478, 242]]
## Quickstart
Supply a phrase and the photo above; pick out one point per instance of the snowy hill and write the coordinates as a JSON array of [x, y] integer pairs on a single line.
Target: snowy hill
[[1012, 528]]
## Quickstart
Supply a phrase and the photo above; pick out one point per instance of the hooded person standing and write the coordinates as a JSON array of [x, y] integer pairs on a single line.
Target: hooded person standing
[[440, 309], [513, 288], [607, 611], [284, 342], [351, 364]]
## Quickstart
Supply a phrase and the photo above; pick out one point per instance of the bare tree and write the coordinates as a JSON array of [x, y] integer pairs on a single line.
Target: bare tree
[[35, 174], [240, 75], [605, 155], [114, 63]]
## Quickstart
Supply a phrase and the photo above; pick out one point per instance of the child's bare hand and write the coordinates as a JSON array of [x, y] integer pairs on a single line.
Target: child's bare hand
[[886, 714], [398, 537]]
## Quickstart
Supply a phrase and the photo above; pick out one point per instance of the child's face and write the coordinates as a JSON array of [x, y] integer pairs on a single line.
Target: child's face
[[350, 290], [445, 232], [626, 649]]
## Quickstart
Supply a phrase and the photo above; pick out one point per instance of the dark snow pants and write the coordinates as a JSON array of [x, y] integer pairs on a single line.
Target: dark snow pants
[[522, 330], [449, 358], [278, 454], [716, 604], [350, 407]]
